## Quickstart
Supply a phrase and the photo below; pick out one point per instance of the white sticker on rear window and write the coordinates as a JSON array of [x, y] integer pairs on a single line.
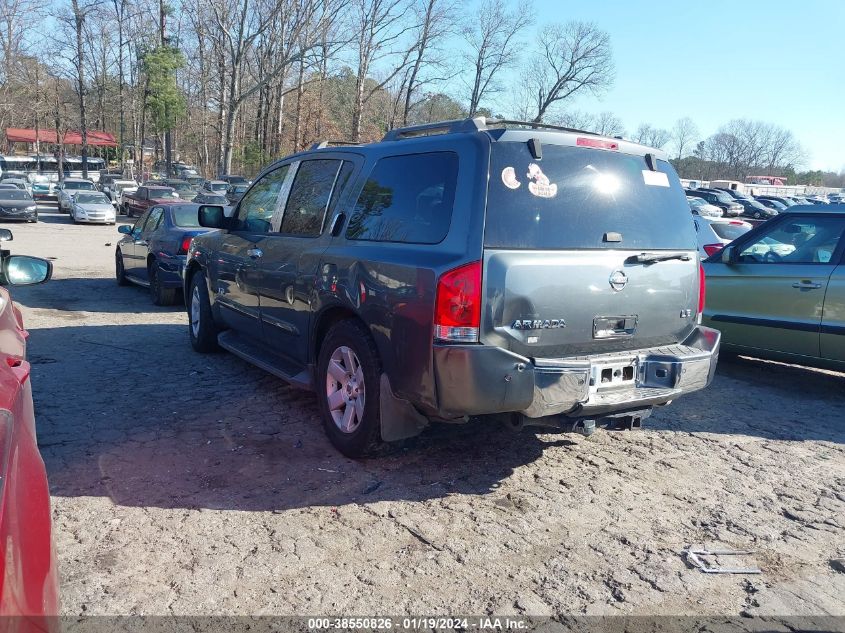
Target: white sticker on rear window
[[509, 178], [540, 185], [655, 178]]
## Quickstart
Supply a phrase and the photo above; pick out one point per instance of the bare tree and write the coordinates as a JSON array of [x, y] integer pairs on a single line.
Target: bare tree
[[684, 136], [238, 29], [78, 17], [572, 58], [608, 124], [382, 30], [652, 136], [435, 20], [492, 37]]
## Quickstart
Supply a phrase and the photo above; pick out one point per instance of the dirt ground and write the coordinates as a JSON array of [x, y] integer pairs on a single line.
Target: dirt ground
[[190, 484]]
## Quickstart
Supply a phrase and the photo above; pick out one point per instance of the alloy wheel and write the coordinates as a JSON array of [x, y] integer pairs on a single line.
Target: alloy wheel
[[195, 311], [345, 389]]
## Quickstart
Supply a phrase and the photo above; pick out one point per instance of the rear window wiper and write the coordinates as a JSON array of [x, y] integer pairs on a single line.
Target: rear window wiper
[[652, 258]]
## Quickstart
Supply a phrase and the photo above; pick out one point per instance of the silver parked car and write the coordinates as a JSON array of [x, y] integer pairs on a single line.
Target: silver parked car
[[69, 188], [91, 207]]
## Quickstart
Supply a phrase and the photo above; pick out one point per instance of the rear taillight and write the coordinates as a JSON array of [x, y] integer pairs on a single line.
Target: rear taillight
[[457, 311], [596, 142], [185, 244], [702, 288], [712, 249]]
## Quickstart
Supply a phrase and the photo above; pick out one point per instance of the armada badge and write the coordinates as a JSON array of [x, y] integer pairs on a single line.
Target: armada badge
[[538, 324]]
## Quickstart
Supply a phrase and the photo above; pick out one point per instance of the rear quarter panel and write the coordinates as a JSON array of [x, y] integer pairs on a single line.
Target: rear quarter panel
[[392, 286]]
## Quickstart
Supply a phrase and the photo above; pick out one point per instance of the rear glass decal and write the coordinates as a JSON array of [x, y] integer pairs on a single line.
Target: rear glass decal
[[655, 178], [509, 178], [540, 185]]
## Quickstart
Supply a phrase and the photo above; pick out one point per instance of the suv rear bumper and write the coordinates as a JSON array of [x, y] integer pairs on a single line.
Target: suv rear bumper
[[479, 380]]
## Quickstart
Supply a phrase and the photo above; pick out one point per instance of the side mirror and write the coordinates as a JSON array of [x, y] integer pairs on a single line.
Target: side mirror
[[125, 229], [727, 255], [5, 235], [212, 216], [23, 270]]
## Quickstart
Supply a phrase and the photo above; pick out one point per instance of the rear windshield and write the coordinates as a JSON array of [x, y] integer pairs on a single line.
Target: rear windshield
[[575, 198], [92, 198], [729, 231], [14, 194], [185, 215], [79, 186], [162, 193]]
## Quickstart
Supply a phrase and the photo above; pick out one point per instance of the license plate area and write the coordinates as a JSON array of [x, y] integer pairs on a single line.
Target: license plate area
[[614, 326], [613, 375]]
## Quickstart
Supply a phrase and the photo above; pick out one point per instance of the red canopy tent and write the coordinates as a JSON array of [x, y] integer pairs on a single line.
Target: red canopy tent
[[95, 138]]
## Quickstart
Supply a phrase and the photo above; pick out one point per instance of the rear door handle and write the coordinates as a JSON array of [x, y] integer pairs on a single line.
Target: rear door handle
[[255, 253], [806, 285]]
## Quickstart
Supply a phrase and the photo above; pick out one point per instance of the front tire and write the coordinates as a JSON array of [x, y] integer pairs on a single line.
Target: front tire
[[201, 326], [348, 389], [161, 296], [119, 270]]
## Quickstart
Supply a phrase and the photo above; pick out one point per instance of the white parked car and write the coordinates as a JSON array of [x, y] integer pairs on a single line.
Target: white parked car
[[119, 188], [69, 188], [90, 207], [701, 207], [715, 233]]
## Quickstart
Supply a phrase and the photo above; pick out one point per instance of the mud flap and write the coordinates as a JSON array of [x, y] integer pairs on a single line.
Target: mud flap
[[399, 419]]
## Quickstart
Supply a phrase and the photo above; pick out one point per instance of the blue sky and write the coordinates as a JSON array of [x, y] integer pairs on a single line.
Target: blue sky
[[716, 60]]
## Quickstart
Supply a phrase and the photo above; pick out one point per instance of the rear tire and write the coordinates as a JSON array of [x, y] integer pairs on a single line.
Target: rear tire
[[348, 389], [161, 296], [201, 326]]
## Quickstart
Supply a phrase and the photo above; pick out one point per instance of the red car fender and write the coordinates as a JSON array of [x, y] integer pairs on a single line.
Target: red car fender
[[28, 573]]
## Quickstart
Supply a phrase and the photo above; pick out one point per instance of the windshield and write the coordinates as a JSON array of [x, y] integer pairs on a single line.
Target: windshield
[[14, 194], [576, 198], [79, 186], [185, 215], [695, 202], [183, 188], [728, 231], [217, 186], [91, 198], [123, 186]]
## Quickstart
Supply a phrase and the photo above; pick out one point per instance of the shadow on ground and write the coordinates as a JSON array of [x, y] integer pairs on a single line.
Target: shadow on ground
[[132, 413], [92, 294]]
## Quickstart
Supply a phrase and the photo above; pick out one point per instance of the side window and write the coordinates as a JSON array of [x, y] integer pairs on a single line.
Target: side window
[[308, 201], [796, 241], [256, 208], [156, 213], [139, 225], [407, 199]]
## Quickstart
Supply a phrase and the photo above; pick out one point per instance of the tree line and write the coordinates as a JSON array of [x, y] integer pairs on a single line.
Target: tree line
[[228, 85]]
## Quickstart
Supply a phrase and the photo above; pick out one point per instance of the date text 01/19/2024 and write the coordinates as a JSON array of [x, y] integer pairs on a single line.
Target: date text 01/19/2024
[[481, 623]]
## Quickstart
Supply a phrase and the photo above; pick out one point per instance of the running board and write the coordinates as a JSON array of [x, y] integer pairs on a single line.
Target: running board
[[262, 358]]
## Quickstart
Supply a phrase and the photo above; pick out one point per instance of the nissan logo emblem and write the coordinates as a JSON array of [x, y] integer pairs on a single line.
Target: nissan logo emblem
[[618, 279]]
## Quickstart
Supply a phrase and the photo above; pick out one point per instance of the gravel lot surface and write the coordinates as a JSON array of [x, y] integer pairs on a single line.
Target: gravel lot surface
[[190, 484]]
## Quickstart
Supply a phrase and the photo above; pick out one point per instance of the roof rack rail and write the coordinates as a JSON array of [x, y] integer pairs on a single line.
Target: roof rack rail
[[535, 125], [322, 144], [442, 127], [475, 124]]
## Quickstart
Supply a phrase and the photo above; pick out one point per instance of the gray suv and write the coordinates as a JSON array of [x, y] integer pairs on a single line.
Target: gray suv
[[475, 268]]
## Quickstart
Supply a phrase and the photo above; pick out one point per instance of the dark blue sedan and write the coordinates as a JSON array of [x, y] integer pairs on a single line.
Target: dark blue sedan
[[152, 252]]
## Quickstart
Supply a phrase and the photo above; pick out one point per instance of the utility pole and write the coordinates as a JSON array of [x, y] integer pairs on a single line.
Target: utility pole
[[79, 20]]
